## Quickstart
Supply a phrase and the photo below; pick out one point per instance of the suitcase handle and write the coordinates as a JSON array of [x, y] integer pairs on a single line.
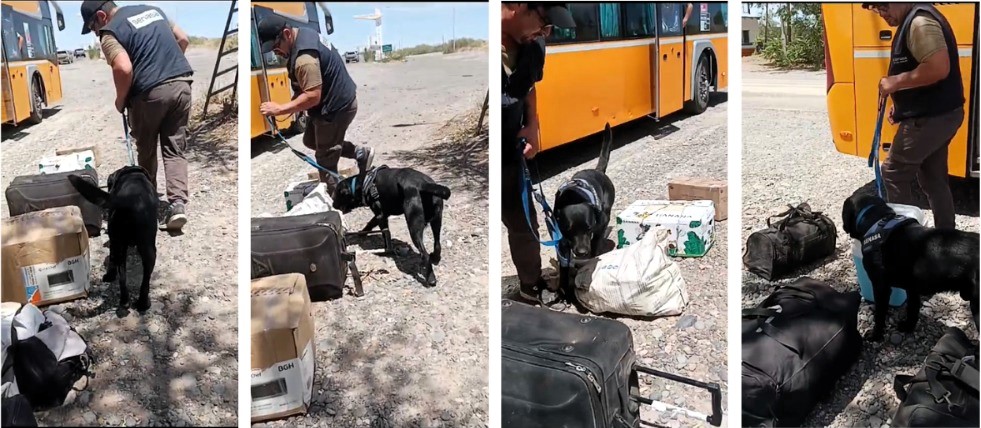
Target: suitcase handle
[[715, 418]]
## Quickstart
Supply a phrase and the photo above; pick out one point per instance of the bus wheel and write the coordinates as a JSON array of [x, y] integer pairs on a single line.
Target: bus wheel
[[700, 101], [299, 123], [37, 104]]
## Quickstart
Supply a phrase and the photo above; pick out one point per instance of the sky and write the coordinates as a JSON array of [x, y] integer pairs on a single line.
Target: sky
[[405, 24]]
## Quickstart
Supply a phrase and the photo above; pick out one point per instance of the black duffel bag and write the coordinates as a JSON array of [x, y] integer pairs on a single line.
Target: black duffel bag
[[944, 393], [800, 237], [30, 193], [312, 245], [796, 344], [568, 370]]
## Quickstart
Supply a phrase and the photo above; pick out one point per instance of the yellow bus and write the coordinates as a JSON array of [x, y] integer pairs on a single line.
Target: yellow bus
[[628, 60], [31, 75], [856, 52], [269, 80]]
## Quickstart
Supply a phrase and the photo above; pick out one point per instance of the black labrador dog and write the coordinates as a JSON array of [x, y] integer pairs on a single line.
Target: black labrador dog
[[398, 191], [131, 204], [921, 260], [582, 210]]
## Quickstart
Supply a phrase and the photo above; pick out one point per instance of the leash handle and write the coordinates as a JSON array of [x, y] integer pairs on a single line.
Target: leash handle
[[129, 141], [874, 154]]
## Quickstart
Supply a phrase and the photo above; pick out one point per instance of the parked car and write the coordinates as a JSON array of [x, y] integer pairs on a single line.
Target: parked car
[[79, 53], [350, 57], [65, 58]]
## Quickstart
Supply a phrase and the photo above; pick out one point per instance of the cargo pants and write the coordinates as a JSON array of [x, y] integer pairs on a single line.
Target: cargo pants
[[525, 248], [161, 114], [326, 139], [920, 151]]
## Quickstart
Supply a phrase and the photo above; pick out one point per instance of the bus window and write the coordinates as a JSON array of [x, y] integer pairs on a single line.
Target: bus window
[[638, 19], [587, 25], [609, 14], [671, 15], [10, 36], [720, 17]]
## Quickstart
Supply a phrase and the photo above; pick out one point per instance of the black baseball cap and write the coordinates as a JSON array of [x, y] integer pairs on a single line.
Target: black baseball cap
[[268, 29], [89, 8], [555, 14]]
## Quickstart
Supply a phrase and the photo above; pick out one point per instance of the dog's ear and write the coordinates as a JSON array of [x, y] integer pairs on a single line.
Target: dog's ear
[[599, 217], [848, 216], [89, 191]]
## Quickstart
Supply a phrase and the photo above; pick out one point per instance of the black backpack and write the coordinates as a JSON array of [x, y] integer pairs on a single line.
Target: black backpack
[[47, 364], [802, 236], [796, 344], [944, 393], [17, 412]]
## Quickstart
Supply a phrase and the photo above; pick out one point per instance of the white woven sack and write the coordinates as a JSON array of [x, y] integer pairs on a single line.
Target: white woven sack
[[639, 280]]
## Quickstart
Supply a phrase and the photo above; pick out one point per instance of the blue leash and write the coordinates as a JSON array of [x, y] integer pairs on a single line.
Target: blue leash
[[874, 154], [305, 157], [528, 188]]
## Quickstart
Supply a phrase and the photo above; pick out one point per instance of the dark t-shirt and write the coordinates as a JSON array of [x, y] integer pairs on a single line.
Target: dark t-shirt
[[520, 71]]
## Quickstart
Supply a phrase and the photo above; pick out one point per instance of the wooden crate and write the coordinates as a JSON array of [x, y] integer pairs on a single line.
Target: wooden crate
[[691, 189]]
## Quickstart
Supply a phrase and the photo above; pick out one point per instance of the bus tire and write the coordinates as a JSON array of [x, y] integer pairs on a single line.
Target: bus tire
[[37, 104], [703, 82], [299, 123]]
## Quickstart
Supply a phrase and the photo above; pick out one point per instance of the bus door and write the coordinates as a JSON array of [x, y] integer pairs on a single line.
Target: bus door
[[670, 58], [974, 141]]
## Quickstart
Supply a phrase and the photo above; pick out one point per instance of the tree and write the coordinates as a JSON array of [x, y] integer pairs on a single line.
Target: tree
[[800, 43]]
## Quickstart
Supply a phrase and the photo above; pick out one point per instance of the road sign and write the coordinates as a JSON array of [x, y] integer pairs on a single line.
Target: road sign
[[386, 48]]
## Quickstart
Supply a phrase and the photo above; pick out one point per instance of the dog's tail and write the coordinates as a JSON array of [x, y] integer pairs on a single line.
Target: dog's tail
[[437, 190], [89, 191], [604, 158]]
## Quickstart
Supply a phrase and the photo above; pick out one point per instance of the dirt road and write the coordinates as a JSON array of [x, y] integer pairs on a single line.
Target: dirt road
[[177, 364], [646, 155], [405, 355], [788, 158]]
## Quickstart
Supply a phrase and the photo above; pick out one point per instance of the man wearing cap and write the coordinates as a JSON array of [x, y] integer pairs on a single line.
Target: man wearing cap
[[524, 27], [153, 80], [924, 81], [323, 88]]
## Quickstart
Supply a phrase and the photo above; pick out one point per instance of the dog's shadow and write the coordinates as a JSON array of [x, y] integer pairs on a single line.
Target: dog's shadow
[[110, 290], [405, 256]]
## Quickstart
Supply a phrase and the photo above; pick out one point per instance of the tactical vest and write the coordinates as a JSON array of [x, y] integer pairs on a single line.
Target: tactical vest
[[878, 234], [145, 34], [338, 89], [514, 90], [938, 98]]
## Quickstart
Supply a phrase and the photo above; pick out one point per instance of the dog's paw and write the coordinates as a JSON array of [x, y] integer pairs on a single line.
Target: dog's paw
[[435, 257], [142, 306], [875, 335], [122, 311], [906, 325], [431, 279]]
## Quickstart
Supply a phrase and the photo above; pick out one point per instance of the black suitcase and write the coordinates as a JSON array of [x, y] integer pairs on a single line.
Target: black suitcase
[[309, 244], [568, 370], [800, 237], [29, 193], [796, 344], [944, 393]]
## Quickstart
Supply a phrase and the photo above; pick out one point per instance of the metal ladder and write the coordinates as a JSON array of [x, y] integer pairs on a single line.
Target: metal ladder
[[221, 54]]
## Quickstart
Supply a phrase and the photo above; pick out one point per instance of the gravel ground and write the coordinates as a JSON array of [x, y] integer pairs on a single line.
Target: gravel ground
[[796, 161], [693, 344], [158, 368], [404, 354]]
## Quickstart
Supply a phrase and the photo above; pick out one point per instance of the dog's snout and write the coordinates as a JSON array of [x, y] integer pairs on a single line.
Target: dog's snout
[[581, 252]]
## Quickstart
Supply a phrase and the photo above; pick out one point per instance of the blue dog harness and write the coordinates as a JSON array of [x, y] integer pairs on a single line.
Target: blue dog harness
[[879, 233], [580, 187], [369, 192]]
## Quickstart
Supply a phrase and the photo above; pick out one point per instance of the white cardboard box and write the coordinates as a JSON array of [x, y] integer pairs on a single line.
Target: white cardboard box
[[70, 162], [296, 191], [690, 225]]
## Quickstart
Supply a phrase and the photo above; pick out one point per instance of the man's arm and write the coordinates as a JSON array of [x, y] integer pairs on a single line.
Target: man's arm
[[684, 21], [122, 68], [181, 36], [928, 47], [311, 83]]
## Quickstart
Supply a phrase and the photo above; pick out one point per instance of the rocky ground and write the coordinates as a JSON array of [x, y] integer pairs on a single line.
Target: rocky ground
[[405, 355], [645, 157], [177, 364], [788, 158]]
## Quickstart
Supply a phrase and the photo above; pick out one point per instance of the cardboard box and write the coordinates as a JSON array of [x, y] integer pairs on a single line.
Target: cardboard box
[[694, 189], [296, 191], [282, 347], [96, 154], [346, 172], [45, 257], [690, 225], [71, 162]]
